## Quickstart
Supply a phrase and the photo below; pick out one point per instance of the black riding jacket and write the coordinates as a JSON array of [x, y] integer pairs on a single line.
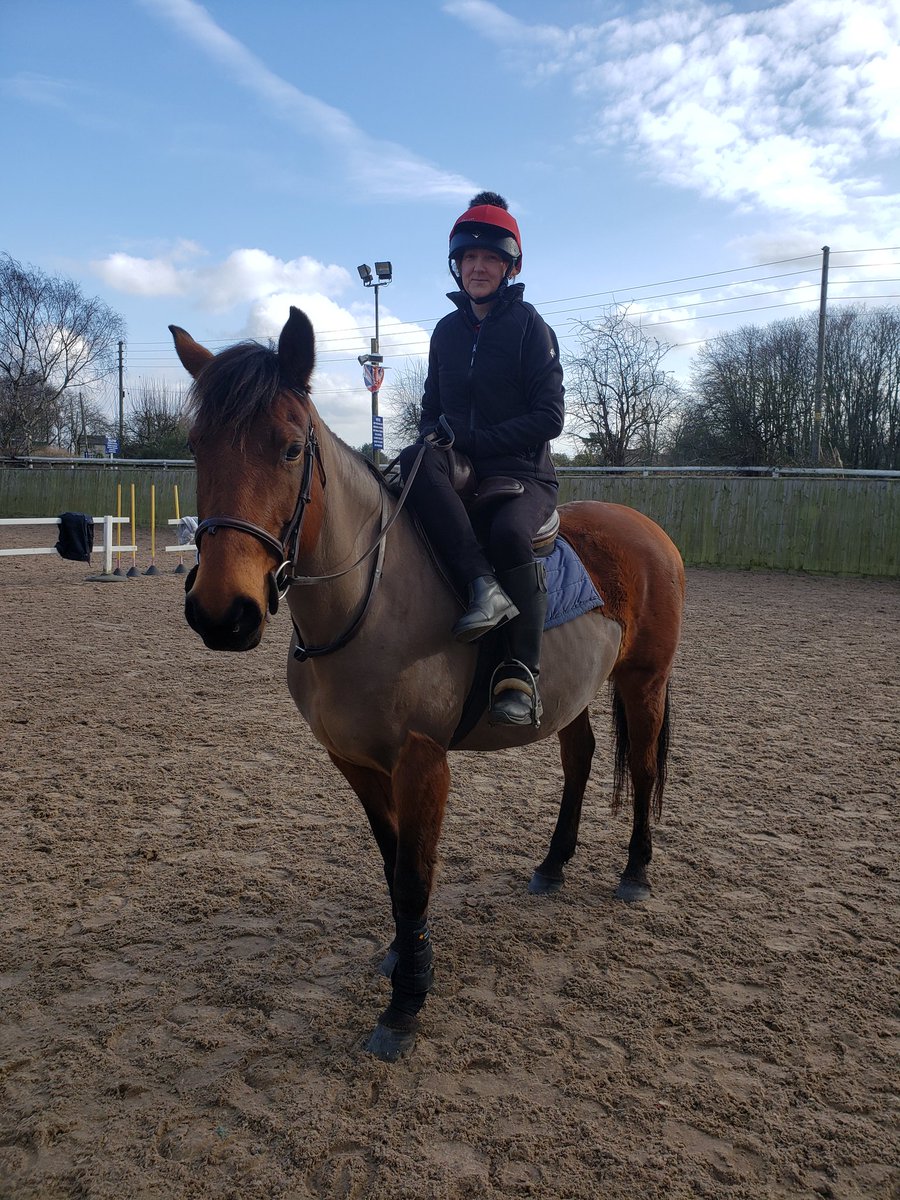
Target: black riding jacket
[[499, 385]]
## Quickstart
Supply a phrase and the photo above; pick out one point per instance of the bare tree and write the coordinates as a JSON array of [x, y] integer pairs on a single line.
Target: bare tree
[[78, 418], [753, 396], [753, 393], [404, 399], [28, 414], [156, 424], [52, 338], [620, 398], [862, 386]]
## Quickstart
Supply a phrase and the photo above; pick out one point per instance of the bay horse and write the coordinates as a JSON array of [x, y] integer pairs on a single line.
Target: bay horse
[[285, 508]]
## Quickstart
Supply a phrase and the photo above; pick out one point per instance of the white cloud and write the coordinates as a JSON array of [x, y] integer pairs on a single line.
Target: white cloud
[[141, 276], [787, 109], [246, 275], [78, 102], [385, 168], [255, 291], [39, 89]]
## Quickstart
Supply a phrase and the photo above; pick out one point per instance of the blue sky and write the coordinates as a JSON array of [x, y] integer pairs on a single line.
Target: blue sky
[[209, 165]]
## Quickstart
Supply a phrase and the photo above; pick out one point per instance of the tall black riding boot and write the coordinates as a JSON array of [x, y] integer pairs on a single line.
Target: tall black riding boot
[[514, 692]]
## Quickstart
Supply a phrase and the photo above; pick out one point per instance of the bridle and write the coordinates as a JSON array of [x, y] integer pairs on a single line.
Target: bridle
[[287, 548]]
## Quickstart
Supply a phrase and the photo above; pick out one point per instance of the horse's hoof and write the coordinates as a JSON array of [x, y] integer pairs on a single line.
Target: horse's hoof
[[544, 885], [387, 964], [390, 1044], [633, 892]]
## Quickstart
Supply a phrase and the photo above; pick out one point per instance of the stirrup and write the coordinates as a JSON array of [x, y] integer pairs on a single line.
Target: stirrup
[[512, 683]]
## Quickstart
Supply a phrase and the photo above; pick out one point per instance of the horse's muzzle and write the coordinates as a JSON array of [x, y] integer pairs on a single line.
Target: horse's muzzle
[[239, 628]]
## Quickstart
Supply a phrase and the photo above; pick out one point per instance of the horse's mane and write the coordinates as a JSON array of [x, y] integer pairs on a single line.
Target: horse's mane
[[240, 384], [235, 386]]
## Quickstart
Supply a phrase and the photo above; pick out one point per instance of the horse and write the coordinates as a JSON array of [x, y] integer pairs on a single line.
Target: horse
[[285, 508]]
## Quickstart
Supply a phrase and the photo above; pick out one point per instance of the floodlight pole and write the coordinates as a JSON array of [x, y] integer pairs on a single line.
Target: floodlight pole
[[382, 278], [376, 457]]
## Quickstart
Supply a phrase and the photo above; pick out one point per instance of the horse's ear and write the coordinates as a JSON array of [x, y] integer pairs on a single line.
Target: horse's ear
[[297, 349], [193, 356]]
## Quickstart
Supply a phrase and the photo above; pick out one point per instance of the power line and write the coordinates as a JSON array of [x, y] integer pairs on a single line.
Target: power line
[[590, 295], [396, 351], [340, 354]]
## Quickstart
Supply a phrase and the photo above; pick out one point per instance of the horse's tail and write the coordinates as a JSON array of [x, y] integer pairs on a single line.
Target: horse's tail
[[621, 774]]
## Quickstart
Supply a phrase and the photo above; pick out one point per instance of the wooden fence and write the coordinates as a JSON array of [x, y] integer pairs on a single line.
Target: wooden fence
[[844, 525], [46, 491], [839, 526]]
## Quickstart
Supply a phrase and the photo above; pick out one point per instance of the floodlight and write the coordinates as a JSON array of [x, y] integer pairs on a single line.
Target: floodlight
[[384, 271], [365, 273]]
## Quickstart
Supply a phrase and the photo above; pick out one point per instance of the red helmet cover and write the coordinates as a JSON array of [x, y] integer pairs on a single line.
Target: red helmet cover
[[468, 230]]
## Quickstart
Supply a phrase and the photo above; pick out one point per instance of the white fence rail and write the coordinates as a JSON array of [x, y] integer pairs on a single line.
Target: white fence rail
[[180, 547], [107, 549]]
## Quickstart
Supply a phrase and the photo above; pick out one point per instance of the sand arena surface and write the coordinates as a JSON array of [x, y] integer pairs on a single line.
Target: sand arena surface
[[193, 909]]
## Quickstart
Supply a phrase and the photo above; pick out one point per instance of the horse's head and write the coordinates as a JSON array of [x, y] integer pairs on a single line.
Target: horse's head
[[253, 440]]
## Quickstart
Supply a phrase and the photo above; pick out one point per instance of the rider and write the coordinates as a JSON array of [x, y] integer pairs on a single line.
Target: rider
[[495, 385]]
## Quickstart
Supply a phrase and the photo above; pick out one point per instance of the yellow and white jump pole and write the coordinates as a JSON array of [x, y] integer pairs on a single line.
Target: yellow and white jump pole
[[152, 569], [118, 570], [181, 569], [132, 570]]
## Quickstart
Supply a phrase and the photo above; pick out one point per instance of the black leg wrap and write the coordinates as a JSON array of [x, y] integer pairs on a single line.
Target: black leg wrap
[[413, 975]]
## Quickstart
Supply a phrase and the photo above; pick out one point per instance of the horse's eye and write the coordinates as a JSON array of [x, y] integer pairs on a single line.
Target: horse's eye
[[294, 451]]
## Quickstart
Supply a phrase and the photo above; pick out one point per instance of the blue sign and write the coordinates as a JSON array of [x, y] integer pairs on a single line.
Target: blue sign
[[378, 433], [112, 445]]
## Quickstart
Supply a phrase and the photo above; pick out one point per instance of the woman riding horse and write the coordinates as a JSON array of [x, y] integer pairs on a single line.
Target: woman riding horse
[[494, 392]]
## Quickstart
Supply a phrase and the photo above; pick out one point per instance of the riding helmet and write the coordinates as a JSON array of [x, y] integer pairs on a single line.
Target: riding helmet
[[486, 224]]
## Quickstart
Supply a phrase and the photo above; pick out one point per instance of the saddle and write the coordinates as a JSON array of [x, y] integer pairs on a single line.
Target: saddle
[[479, 496]]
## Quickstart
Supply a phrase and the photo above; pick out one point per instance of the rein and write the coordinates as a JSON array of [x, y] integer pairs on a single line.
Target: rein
[[286, 550]]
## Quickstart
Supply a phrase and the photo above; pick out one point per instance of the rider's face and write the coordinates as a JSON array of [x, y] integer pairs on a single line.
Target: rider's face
[[482, 272]]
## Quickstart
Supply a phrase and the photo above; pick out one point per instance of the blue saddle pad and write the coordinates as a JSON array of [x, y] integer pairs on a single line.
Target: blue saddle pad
[[570, 592]]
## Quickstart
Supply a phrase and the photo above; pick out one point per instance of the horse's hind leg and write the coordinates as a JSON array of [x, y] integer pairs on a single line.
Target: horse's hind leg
[[576, 743], [420, 783], [641, 720]]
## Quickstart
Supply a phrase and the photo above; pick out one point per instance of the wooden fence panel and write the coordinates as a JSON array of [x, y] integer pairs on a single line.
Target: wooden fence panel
[[844, 526], [48, 492]]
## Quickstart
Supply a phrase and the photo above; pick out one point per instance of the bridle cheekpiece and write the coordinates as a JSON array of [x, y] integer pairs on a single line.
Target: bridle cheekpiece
[[287, 547]]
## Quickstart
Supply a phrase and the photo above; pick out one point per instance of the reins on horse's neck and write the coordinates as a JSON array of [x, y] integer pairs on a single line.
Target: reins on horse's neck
[[308, 580], [302, 651]]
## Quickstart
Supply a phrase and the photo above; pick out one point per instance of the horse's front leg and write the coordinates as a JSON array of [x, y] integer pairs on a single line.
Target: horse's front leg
[[373, 788], [420, 783]]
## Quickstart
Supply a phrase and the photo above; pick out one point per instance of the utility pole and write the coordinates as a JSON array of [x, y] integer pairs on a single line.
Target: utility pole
[[820, 362], [121, 395]]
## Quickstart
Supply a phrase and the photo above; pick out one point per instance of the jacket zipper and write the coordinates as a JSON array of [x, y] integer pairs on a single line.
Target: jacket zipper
[[478, 329]]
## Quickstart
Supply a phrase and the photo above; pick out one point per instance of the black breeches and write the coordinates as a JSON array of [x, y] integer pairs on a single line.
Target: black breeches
[[513, 523], [506, 530]]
